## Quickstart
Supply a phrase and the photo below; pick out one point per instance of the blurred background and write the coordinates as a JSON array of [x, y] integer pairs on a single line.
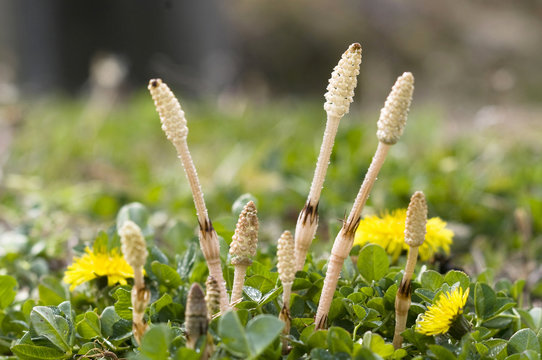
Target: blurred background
[[79, 136]]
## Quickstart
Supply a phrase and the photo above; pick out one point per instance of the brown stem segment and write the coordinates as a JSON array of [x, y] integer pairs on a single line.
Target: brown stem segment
[[306, 226], [140, 299], [402, 304], [402, 299], [215, 270], [285, 317]]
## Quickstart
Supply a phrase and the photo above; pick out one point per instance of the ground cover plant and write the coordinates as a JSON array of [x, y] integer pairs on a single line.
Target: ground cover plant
[[127, 296]]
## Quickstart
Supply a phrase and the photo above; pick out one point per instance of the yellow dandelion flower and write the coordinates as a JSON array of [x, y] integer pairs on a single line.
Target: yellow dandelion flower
[[388, 231], [445, 315], [93, 265]]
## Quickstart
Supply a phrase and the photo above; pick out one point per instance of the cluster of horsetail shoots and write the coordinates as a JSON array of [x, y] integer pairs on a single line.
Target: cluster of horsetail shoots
[[390, 128], [135, 252], [415, 228], [175, 126], [243, 248], [286, 269], [340, 93], [196, 320], [292, 253]]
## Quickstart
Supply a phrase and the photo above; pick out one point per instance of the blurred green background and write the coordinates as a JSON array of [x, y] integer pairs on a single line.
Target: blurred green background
[[80, 137]]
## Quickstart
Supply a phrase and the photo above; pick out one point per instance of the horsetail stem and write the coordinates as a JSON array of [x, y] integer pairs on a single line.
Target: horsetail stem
[[415, 229], [174, 125], [212, 296], [339, 95], [135, 252], [243, 247], [390, 127], [286, 269]]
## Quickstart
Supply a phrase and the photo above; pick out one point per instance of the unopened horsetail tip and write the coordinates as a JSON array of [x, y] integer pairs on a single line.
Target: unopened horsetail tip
[[154, 83]]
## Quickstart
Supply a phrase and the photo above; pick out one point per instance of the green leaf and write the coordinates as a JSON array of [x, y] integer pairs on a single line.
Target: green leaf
[[270, 296], [155, 343], [35, 352], [89, 327], [517, 289], [321, 354], [442, 353], [365, 354], [524, 339], [497, 348], [377, 344], [536, 315], [318, 339], [137, 213], [425, 295], [122, 330], [455, 276], [348, 271], [159, 304], [526, 355], [261, 331], [301, 284], [233, 334], [252, 293], [123, 305], [186, 262], [51, 326], [240, 202], [360, 311], [431, 280], [51, 291], [187, 354], [373, 262], [336, 309], [107, 319], [481, 348], [484, 300], [399, 354], [89, 348], [8, 285], [339, 340], [166, 275]]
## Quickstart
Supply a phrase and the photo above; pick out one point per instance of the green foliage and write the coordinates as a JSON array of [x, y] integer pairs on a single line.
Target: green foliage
[[96, 320], [471, 185], [373, 262]]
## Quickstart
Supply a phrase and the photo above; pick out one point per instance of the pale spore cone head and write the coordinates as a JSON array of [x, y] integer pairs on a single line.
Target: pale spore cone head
[[394, 114], [133, 244], [286, 258], [416, 220], [168, 107], [343, 81], [245, 239]]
